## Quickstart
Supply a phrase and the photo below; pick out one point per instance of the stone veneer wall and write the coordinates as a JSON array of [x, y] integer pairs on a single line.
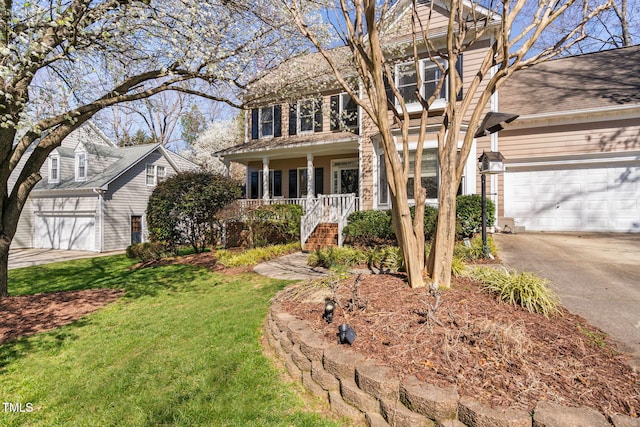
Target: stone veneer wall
[[371, 393]]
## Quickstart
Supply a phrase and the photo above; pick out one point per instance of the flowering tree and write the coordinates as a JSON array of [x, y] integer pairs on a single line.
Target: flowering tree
[[217, 136], [62, 62], [506, 34]]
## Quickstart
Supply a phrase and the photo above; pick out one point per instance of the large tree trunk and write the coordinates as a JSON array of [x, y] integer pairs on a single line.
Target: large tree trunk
[[441, 255], [411, 245], [4, 266]]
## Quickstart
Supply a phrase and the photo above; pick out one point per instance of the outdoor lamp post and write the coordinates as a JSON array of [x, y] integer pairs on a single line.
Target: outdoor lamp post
[[489, 163]]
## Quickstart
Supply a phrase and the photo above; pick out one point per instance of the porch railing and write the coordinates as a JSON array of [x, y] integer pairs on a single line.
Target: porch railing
[[331, 208], [310, 220]]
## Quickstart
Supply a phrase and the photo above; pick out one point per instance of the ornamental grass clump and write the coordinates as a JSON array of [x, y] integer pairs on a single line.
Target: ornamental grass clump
[[254, 256], [519, 288]]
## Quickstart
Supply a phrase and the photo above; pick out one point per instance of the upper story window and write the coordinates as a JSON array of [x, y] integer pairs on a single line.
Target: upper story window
[[305, 116], [81, 166], [344, 113], [54, 169], [155, 174], [266, 122], [406, 81]]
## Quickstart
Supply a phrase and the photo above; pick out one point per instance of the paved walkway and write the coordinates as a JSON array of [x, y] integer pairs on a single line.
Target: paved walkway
[[19, 258], [290, 267]]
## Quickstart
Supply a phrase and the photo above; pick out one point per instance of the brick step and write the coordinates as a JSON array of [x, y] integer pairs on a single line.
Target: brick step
[[323, 236]]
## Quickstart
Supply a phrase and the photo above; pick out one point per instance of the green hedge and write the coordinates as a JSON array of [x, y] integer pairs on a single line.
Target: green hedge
[[276, 224], [374, 228]]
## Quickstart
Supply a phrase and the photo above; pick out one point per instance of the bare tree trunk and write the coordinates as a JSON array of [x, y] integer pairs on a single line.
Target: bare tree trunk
[[410, 246], [441, 255], [4, 266]]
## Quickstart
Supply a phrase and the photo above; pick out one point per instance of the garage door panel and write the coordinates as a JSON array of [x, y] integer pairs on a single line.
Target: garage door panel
[[65, 232], [596, 199]]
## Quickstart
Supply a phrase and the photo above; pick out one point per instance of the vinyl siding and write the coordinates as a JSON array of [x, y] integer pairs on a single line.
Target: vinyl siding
[[128, 195], [573, 139], [437, 23]]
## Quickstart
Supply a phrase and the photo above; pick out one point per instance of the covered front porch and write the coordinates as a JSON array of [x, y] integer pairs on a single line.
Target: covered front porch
[[324, 177]]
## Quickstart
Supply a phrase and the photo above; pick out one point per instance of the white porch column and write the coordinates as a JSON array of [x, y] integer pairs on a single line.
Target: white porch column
[[227, 166], [310, 177], [265, 178]]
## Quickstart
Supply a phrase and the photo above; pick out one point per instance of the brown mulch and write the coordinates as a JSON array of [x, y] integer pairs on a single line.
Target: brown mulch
[[29, 314], [205, 260], [494, 352]]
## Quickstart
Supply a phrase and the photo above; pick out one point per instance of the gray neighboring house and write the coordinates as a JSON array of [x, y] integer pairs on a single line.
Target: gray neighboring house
[[93, 194]]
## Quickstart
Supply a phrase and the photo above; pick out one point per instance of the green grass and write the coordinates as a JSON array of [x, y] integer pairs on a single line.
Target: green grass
[[182, 348]]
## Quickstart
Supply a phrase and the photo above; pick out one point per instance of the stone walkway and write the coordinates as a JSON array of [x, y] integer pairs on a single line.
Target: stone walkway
[[290, 267]]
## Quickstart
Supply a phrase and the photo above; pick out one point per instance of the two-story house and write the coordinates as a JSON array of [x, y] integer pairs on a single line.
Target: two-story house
[[93, 194], [307, 138]]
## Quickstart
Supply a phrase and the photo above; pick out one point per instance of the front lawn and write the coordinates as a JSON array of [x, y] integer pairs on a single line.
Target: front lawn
[[182, 347]]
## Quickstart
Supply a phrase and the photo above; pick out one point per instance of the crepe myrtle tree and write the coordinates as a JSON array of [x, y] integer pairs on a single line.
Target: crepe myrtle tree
[[62, 62], [506, 27]]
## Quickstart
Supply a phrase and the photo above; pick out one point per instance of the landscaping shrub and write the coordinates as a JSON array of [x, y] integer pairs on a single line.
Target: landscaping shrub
[[524, 289], [148, 251], [369, 228], [469, 215], [333, 257], [275, 224], [474, 252], [183, 208], [387, 258], [374, 228], [254, 256]]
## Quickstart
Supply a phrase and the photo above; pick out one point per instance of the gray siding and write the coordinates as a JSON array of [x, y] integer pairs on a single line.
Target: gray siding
[[128, 195]]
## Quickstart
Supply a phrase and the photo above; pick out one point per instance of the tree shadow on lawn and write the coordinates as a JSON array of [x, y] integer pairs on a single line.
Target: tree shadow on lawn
[[51, 342], [64, 295], [115, 272]]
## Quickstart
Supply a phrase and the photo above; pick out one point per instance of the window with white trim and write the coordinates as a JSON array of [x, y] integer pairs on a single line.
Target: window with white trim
[[344, 113], [81, 166], [54, 169], [428, 173], [266, 122], [155, 174], [406, 81], [307, 114]]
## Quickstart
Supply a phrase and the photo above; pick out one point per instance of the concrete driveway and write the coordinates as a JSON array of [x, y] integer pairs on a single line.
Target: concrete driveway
[[27, 257], [597, 276]]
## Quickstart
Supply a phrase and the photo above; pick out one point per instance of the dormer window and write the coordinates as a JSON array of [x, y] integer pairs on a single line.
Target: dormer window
[[54, 169], [81, 166]]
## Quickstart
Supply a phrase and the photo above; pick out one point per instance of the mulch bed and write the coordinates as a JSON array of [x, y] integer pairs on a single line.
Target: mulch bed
[[491, 351], [29, 314]]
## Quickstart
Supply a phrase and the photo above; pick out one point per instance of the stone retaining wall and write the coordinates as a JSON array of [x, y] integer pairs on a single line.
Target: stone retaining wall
[[371, 393]]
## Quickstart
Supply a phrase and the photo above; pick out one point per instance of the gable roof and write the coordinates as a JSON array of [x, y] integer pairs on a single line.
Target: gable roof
[[127, 157], [599, 80]]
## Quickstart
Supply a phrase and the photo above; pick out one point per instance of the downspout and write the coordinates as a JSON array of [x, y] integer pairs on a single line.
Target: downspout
[[100, 192]]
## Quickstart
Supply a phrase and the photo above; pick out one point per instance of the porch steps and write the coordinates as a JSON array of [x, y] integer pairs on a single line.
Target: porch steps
[[325, 235]]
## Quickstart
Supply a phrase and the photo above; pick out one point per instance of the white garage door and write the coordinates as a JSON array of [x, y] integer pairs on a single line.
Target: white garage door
[[65, 232], [585, 199]]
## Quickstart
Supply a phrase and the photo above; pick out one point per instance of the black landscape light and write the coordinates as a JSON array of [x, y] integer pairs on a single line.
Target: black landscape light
[[329, 308], [346, 335]]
